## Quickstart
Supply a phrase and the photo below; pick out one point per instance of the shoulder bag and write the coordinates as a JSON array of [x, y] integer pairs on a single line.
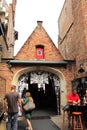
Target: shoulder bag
[[29, 106]]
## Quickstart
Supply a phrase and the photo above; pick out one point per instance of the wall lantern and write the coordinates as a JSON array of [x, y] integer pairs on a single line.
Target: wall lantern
[[81, 69]]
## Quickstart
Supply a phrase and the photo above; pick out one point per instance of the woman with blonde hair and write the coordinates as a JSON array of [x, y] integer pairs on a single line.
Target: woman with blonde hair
[[27, 114]]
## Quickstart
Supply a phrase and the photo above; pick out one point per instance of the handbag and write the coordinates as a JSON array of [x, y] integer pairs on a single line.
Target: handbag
[[29, 106]]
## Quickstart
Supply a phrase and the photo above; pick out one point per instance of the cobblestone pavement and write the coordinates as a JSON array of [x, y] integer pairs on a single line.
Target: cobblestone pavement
[[41, 123]]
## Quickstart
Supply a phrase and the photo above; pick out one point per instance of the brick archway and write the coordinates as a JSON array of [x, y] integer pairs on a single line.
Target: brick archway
[[49, 69]]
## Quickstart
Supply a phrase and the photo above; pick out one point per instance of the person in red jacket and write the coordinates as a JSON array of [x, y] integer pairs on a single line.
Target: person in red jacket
[[73, 97]]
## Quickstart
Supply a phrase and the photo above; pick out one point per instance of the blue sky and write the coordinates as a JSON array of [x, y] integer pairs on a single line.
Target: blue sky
[[30, 11]]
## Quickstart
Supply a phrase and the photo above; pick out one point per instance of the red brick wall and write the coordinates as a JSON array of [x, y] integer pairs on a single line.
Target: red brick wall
[[7, 75], [74, 44]]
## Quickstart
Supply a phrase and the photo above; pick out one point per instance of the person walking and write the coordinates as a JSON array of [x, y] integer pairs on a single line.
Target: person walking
[[27, 114], [11, 102]]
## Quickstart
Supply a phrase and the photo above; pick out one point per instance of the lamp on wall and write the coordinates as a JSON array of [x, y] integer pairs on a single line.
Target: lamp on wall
[[81, 69], [9, 66]]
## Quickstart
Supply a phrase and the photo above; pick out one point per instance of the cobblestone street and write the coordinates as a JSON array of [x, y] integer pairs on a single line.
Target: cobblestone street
[[39, 123]]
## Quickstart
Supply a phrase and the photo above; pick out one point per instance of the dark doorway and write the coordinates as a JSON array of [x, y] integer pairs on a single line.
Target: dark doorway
[[44, 100], [44, 88]]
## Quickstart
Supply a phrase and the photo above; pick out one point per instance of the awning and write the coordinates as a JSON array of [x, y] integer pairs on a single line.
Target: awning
[[36, 63]]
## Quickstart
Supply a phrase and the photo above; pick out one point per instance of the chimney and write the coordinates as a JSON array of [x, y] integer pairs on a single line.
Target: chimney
[[39, 22]]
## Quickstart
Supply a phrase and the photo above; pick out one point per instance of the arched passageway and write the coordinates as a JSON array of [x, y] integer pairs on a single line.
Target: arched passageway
[[44, 88], [47, 86]]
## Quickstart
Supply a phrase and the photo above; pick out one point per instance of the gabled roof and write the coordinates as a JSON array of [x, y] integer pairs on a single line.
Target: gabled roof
[[39, 37]]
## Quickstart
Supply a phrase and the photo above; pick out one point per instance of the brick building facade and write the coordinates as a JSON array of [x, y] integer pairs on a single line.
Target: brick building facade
[[39, 65], [7, 41], [73, 39], [50, 66]]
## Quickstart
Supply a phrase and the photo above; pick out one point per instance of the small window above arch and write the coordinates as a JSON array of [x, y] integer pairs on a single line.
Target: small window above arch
[[39, 52]]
